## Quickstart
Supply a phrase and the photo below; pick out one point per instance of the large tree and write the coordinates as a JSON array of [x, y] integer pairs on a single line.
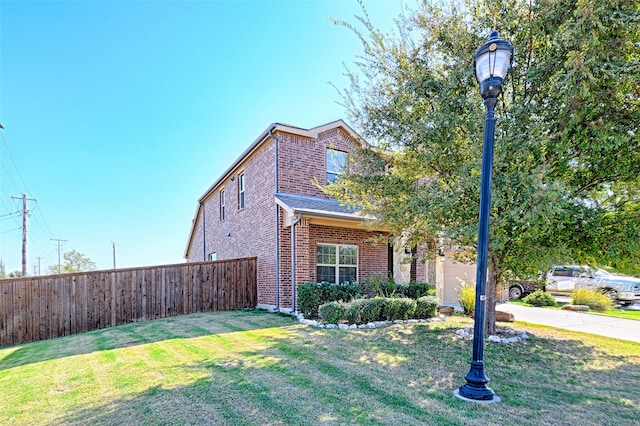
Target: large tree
[[74, 261], [567, 150]]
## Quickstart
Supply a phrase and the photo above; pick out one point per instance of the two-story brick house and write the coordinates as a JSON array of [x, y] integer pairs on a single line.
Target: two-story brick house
[[271, 190], [268, 204]]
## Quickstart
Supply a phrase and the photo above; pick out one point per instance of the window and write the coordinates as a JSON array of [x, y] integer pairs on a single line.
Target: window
[[213, 256], [222, 204], [241, 191], [336, 164], [336, 263]]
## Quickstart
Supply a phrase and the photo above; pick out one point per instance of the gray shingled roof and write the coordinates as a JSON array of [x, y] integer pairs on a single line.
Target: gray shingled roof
[[315, 206]]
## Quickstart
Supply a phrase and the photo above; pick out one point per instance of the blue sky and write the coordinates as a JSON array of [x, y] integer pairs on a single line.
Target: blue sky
[[118, 115]]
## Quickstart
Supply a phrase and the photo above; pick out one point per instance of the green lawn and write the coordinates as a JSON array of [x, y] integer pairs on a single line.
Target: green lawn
[[251, 367]]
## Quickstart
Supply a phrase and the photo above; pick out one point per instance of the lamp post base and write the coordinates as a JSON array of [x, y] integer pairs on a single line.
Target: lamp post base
[[476, 388], [494, 398]]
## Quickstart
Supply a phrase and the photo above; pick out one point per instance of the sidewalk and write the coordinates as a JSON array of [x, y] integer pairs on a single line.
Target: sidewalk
[[617, 328]]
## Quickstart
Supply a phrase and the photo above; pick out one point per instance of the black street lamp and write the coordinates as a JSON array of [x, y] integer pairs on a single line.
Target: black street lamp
[[491, 64]]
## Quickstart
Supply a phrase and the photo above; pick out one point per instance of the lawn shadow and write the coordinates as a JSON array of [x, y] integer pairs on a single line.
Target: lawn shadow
[[352, 377], [139, 333]]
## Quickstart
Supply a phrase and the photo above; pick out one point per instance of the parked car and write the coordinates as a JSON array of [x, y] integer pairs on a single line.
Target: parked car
[[619, 288]]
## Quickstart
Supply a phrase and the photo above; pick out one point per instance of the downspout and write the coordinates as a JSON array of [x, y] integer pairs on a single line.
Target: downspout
[[293, 262], [275, 142], [204, 235]]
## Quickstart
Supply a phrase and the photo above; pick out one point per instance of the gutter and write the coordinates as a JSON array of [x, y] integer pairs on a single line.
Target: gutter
[[275, 141], [204, 234], [293, 262]]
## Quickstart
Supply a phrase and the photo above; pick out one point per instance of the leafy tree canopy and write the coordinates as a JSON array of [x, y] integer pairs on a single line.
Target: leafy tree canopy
[[73, 262], [567, 150]]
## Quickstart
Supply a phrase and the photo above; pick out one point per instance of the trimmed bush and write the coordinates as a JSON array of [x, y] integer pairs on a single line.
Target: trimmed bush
[[426, 307], [312, 295], [399, 309], [389, 288], [593, 298], [362, 311], [416, 290], [467, 298], [332, 312], [540, 298]]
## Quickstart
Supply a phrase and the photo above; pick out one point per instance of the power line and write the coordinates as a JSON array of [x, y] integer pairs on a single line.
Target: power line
[[12, 160], [10, 230]]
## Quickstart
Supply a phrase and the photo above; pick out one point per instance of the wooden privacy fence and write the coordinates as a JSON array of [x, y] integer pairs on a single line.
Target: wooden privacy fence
[[38, 308]]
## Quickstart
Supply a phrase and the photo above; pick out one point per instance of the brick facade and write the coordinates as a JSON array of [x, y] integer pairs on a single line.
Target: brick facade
[[251, 231]]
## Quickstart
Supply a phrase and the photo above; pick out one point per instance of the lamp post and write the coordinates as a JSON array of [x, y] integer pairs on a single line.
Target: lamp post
[[491, 63]]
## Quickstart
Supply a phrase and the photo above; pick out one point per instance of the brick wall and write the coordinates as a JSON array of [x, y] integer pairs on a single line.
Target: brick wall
[[251, 231], [372, 257], [303, 160], [244, 232]]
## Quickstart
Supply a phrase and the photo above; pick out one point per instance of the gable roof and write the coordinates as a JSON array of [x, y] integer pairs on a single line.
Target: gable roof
[[263, 138]]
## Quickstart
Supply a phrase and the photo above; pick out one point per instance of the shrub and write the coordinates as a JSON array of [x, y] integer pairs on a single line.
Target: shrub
[[373, 286], [426, 307], [467, 298], [400, 308], [416, 290], [332, 312], [389, 288], [593, 298], [362, 311], [309, 298], [312, 295], [540, 298]]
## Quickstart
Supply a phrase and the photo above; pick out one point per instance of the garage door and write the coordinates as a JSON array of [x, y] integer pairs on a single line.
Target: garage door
[[455, 275]]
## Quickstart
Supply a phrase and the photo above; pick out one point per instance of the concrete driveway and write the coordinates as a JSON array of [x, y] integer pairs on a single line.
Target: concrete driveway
[[617, 328]]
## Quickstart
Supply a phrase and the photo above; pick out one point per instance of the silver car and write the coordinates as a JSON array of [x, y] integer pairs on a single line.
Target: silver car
[[621, 289]]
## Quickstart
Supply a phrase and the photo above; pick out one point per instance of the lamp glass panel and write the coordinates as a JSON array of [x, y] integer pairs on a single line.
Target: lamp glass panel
[[493, 64]]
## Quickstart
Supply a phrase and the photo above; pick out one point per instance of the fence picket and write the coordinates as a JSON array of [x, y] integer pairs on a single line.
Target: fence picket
[[38, 308]]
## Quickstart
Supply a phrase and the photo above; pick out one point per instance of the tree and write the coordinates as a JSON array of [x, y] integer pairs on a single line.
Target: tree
[[73, 262], [567, 151], [3, 270]]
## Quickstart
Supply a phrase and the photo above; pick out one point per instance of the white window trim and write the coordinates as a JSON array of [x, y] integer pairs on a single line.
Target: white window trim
[[223, 200], [337, 265], [242, 186], [335, 172]]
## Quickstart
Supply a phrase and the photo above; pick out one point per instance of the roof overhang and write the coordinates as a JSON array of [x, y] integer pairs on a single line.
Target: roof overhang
[[326, 212]]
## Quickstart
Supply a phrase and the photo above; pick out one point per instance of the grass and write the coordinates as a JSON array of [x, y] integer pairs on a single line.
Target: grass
[[615, 312], [251, 368]]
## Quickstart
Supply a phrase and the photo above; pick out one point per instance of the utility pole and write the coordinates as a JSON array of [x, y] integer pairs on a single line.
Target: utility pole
[[39, 270], [25, 212], [59, 241], [113, 245]]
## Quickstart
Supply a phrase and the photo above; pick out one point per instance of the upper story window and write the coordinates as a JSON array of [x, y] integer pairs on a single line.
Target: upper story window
[[241, 190], [222, 205], [336, 164]]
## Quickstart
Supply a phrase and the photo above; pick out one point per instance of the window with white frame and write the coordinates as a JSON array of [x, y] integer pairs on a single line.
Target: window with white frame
[[336, 263], [222, 204], [336, 164], [213, 256], [241, 191]]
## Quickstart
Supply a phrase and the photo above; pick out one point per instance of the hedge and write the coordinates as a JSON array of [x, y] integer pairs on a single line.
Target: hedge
[[312, 295], [362, 311]]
